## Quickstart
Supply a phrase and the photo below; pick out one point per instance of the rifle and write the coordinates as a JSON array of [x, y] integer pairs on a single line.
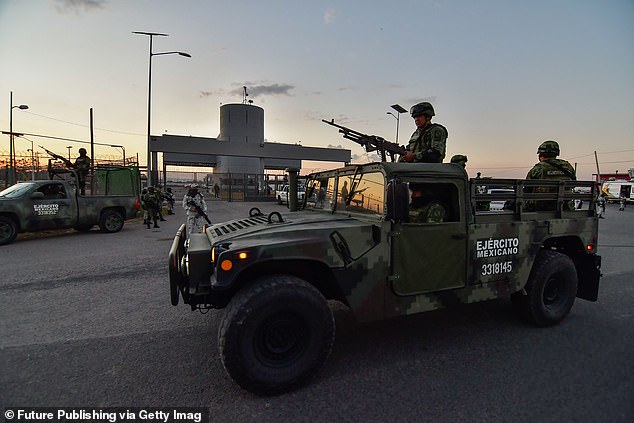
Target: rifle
[[67, 162], [198, 210], [370, 142]]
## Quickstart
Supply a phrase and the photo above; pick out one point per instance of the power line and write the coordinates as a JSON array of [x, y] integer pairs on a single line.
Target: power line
[[86, 126]]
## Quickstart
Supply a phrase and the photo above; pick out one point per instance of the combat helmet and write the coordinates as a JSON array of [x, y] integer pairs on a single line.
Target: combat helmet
[[549, 148], [150, 189], [82, 150], [423, 108], [459, 159]]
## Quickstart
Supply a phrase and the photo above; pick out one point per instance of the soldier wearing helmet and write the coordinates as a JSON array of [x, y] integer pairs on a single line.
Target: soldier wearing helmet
[[459, 159], [82, 167], [549, 166], [428, 142], [193, 203], [151, 200]]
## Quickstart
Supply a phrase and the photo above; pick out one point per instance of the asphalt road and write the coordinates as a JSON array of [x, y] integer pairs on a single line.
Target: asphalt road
[[85, 320]]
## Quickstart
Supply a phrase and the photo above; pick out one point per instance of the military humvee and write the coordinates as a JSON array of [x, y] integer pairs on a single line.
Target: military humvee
[[361, 239]]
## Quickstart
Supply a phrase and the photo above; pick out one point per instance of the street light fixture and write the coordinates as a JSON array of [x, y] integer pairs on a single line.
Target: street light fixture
[[149, 95], [11, 169], [399, 109], [69, 147]]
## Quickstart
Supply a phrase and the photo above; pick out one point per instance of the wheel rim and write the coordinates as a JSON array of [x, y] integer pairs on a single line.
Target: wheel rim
[[553, 296], [281, 340], [6, 231], [112, 222]]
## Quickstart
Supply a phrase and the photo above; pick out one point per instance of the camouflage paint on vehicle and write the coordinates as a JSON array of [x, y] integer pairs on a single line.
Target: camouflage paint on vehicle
[[55, 204], [383, 267]]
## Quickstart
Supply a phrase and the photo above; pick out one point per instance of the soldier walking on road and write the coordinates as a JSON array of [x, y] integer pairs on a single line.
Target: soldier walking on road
[[193, 203], [151, 200], [428, 142]]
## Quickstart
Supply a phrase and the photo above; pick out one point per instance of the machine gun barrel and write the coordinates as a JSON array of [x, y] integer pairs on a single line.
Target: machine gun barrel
[[370, 142], [67, 162]]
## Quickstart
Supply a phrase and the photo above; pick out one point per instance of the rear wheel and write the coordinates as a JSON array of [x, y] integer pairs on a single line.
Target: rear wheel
[[276, 334], [551, 289], [8, 230], [111, 221]]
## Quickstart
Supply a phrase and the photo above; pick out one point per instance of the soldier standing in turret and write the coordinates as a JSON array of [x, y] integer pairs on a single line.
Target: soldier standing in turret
[[82, 167], [194, 201], [428, 142]]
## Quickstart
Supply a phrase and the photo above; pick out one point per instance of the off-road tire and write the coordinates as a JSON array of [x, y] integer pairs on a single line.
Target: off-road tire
[[111, 221], [8, 230], [276, 333], [551, 290]]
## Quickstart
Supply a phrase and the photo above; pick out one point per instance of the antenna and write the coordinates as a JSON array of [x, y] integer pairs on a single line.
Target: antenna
[[245, 95]]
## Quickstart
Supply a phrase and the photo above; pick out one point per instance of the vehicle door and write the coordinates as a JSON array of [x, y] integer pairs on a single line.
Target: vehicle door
[[51, 207], [429, 249]]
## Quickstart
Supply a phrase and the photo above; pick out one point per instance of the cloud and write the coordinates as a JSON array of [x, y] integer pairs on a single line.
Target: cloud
[[78, 6], [257, 90], [329, 16], [205, 94]]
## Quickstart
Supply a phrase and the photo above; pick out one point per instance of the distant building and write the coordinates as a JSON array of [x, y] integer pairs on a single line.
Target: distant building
[[617, 176], [239, 148]]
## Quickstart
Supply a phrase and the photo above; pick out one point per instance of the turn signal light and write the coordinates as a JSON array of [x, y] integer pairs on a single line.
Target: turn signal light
[[243, 255], [226, 265]]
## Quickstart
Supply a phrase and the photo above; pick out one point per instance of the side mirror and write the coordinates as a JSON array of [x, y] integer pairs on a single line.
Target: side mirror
[[397, 201], [37, 195]]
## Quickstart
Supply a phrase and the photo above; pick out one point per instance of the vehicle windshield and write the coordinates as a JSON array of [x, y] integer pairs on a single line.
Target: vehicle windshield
[[17, 190], [359, 193]]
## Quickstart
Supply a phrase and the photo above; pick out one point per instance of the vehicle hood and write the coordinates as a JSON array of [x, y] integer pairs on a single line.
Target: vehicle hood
[[297, 228]]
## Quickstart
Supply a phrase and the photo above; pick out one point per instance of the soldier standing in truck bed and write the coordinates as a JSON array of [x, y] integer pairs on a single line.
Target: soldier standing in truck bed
[[551, 168], [428, 142], [82, 167]]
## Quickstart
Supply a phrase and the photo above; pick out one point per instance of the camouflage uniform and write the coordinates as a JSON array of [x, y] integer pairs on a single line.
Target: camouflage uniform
[[550, 168], [432, 212], [161, 197], [82, 166], [143, 206], [151, 200], [428, 142], [195, 221]]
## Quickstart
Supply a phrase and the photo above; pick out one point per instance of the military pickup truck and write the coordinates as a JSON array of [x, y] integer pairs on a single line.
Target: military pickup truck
[[56, 204], [405, 238]]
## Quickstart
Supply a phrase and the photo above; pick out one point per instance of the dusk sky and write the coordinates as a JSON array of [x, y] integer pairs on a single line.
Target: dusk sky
[[503, 75]]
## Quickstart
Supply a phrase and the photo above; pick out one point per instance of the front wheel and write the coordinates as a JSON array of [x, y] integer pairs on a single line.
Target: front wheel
[[551, 289], [111, 221], [276, 334], [8, 230]]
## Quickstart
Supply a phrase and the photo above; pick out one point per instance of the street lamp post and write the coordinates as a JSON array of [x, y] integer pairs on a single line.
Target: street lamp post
[[69, 147], [11, 169], [399, 109], [32, 168], [149, 95]]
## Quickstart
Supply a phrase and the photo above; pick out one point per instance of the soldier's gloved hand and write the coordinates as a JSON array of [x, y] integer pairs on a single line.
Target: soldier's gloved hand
[[409, 157], [192, 209]]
